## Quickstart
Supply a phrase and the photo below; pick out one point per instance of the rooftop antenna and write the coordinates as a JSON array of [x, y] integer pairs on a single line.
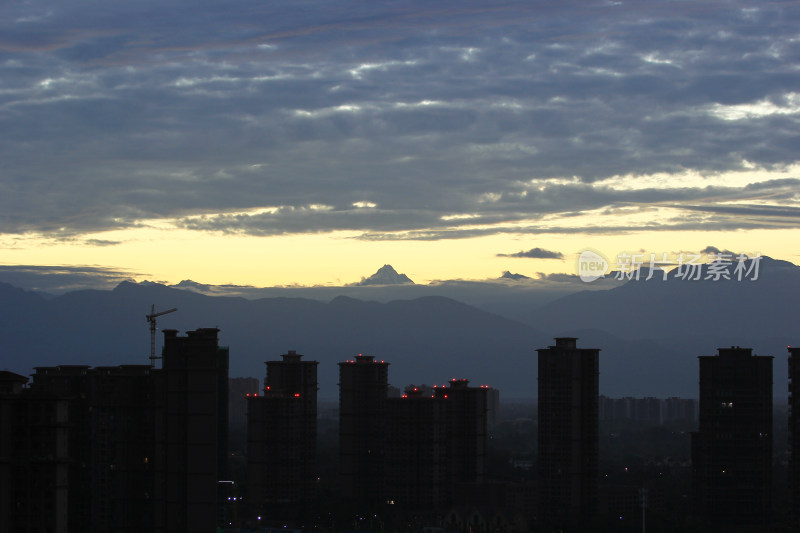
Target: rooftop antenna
[[151, 319]]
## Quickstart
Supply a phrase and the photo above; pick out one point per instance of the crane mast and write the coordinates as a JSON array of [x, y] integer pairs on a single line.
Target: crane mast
[[151, 319]]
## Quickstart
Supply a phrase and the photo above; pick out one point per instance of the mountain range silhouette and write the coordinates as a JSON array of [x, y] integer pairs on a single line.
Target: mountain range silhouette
[[650, 333]]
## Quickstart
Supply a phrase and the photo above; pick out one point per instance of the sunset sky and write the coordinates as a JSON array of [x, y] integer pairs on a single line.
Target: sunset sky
[[311, 142]]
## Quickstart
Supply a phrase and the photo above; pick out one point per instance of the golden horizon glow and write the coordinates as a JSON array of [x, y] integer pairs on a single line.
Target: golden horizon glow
[[164, 250], [338, 258]]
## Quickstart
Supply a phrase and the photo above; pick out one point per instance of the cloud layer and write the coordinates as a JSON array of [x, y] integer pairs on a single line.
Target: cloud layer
[[402, 120], [535, 253]]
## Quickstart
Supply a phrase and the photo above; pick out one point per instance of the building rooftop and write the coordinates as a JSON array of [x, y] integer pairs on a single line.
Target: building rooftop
[[7, 376]]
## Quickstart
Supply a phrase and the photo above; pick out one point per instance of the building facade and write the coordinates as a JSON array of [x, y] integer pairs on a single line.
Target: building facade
[[116, 448], [794, 432], [70, 386], [416, 452], [35, 459], [282, 439], [191, 430], [408, 453], [363, 388], [122, 433], [568, 434], [732, 449], [466, 422]]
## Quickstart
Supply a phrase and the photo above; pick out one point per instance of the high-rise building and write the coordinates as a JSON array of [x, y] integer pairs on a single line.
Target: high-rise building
[[239, 390], [794, 432], [466, 421], [680, 409], [408, 452], [34, 459], [82, 442], [416, 452], [191, 430], [71, 383], [436, 440], [492, 405], [281, 442], [568, 433], [117, 448], [732, 449], [121, 429], [363, 387]]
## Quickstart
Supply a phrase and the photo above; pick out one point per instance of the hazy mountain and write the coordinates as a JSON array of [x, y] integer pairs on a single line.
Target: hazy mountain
[[192, 286], [512, 298], [658, 308], [675, 320], [429, 339], [386, 275], [650, 332]]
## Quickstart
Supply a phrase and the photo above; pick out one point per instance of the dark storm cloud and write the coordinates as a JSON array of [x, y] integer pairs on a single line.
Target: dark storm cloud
[[535, 253], [112, 114]]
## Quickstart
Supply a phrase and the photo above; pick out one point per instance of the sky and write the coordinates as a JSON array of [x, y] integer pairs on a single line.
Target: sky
[[310, 142]]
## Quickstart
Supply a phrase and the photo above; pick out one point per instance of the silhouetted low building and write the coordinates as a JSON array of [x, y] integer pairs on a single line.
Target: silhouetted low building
[[680, 409], [623, 504], [649, 411]]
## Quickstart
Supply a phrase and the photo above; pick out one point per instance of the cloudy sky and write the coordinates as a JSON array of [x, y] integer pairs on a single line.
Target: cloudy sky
[[310, 142]]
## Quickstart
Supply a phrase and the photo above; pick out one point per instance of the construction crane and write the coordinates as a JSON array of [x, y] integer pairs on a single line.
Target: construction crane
[[151, 319]]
